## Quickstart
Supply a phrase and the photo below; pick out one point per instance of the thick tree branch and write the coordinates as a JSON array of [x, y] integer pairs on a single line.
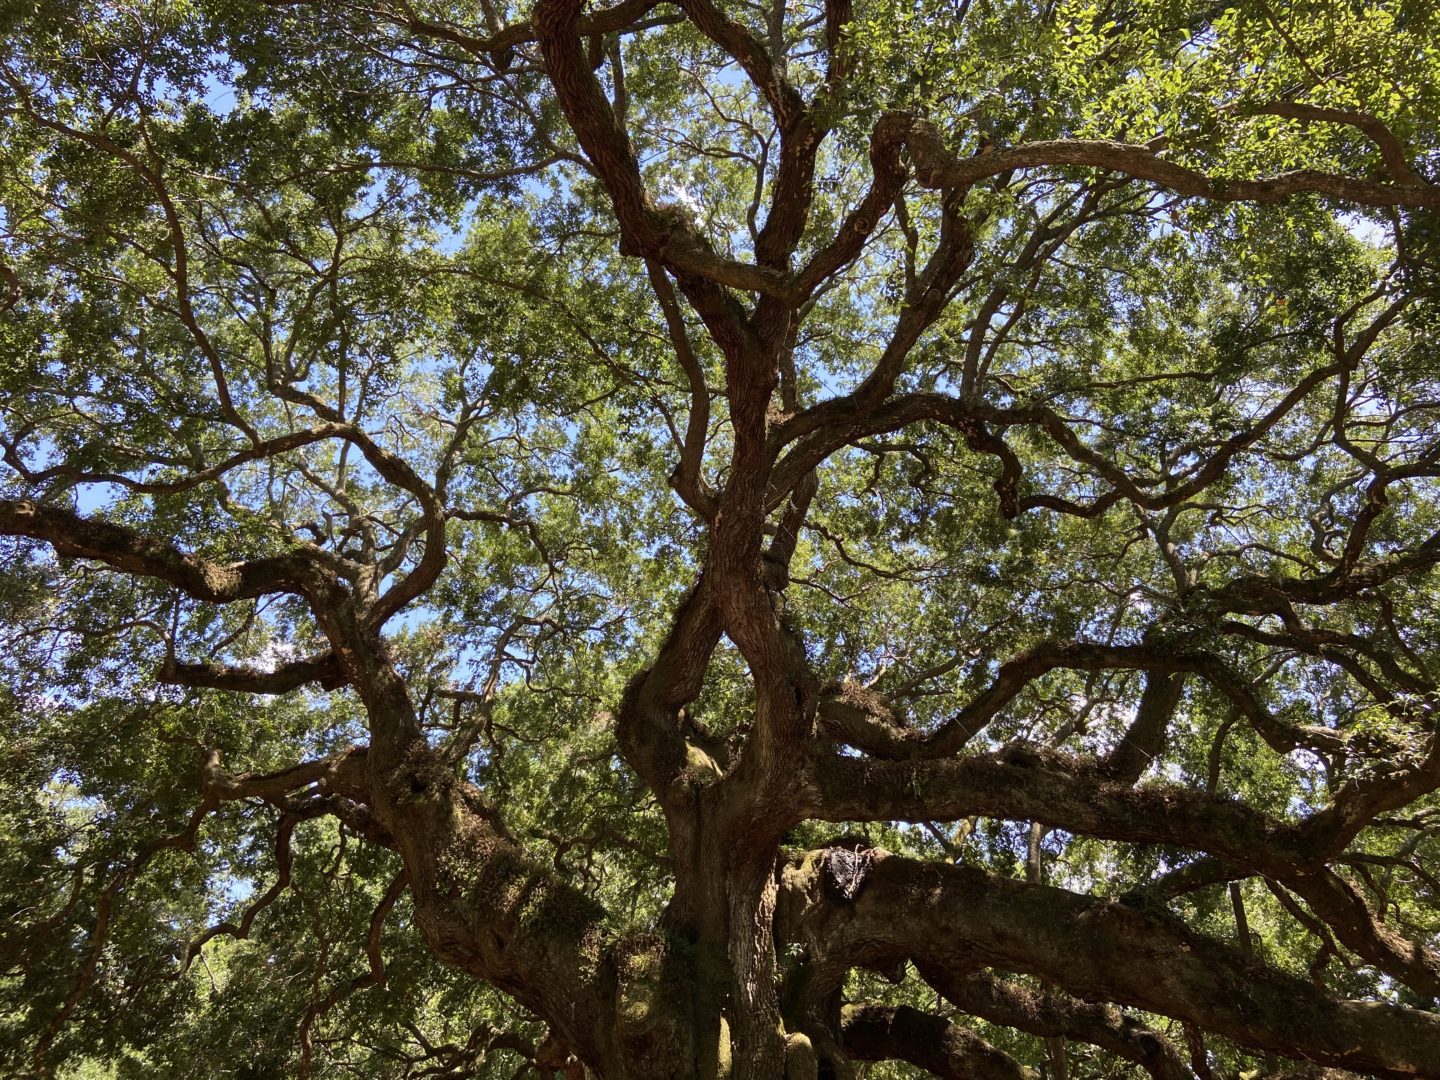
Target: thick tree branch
[[1144, 740], [343, 774], [888, 179], [1337, 907], [1049, 1014], [1027, 784], [871, 1032], [1159, 659], [75, 536], [935, 167], [644, 229], [323, 669], [649, 726], [959, 918], [1391, 152]]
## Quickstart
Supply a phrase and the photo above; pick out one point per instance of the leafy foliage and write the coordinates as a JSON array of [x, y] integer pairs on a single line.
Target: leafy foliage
[[717, 445]]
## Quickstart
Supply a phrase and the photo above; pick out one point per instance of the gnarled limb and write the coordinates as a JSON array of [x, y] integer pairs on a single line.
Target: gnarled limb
[[1050, 1014], [889, 176], [75, 536], [1144, 740], [323, 669], [284, 860], [644, 229], [1336, 908], [1167, 660], [935, 167], [957, 917], [1061, 791], [648, 726], [871, 1032]]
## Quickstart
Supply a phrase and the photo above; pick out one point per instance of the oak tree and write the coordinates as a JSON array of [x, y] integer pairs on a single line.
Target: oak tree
[[719, 538]]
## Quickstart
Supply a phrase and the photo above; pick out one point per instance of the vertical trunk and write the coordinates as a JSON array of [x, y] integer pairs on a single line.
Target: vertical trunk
[[696, 918], [756, 1026], [721, 919], [1199, 1059]]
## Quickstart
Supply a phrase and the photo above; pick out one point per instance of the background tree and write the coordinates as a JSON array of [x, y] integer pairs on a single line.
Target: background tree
[[719, 539]]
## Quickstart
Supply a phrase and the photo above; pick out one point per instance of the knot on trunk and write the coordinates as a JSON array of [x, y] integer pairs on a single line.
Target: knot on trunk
[[845, 873]]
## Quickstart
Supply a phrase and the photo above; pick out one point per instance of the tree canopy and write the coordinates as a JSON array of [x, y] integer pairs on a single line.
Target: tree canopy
[[719, 538]]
